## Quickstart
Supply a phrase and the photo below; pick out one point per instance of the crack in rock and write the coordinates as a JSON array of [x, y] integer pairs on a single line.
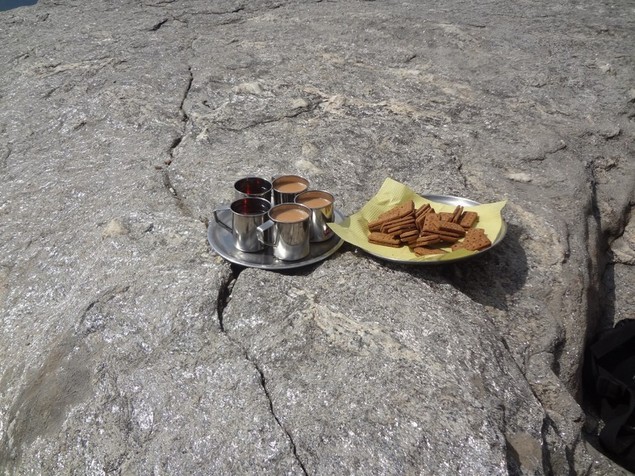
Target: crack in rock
[[184, 116], [180, 202], [87, 325], [268, 120], [263, 383], [597, 262], [173, 146], [159, 24], [226, 12], [460, 171], [5, 152], [546, 456], [224, 296], [167, 181]]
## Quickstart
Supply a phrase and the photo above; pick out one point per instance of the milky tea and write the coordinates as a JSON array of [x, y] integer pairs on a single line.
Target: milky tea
[[287, 187], [289, 231], [322, 212], [289, 215]]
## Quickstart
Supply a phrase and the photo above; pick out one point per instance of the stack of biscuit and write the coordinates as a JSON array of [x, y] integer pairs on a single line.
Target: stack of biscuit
[[426, 232]]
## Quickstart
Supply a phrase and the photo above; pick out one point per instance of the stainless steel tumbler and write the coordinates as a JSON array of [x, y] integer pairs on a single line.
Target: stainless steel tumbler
[[247, 215], [289, 231], [287, 187], [252, 187], [322, 212]]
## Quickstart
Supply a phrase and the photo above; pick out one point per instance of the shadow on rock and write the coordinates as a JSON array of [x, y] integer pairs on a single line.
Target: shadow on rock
[[41, 408], [488, 279], [491, 278]]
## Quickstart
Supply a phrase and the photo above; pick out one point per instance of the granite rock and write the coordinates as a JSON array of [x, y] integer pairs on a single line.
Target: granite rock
[[128, 346]]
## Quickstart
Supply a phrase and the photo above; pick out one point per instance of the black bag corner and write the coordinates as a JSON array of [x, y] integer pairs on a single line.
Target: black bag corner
[[609, 381]]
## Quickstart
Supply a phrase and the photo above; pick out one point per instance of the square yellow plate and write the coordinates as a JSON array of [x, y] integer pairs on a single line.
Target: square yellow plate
[[354, 229]]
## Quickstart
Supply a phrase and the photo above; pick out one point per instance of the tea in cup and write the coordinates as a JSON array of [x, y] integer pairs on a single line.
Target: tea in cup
[[289, 227], [322, 212], [247, 214], [287, 187], [252, 187]]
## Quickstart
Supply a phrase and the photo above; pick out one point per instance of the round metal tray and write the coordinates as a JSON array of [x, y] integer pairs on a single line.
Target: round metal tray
[[222, 243]]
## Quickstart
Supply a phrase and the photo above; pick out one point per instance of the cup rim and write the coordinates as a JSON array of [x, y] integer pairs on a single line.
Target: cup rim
[[290, 205], [251, 177], [264, 202], [318, 193], [292, 177]]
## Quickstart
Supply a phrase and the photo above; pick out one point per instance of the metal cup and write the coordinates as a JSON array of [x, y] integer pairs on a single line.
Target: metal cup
[[287, 187], [322, 212], [247, 214], [289, 231], [252, 187]]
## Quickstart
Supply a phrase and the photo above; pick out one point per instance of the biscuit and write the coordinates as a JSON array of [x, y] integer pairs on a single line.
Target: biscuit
[[421, 228], [457, 246], [422, 251], [428, 237], [419, 221], [422, 213], [399, 211], [397, 223], [430, 228], [468, 219], [474, 233], [397, 229], [478, 245], [476, 240], [449, 238], [423, 210], [406, 235], [456, 215], [385, 239], [394, 213], [431, 223], [452, 227], [425, 240]]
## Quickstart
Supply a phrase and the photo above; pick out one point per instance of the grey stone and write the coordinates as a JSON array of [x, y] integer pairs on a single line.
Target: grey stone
[[127, 346], [377, 371]]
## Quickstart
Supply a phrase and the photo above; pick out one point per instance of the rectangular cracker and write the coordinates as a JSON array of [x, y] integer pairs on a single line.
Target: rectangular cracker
[[456, 215], [452, 227], [384, 239], [468, 219], [423, 210], [423, 251]]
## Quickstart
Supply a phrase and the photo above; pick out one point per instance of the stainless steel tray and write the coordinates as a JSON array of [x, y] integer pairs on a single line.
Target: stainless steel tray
[[453, 201], [222, 243]]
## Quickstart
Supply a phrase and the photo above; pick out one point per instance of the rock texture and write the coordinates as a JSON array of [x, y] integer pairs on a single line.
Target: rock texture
[[128, 347]]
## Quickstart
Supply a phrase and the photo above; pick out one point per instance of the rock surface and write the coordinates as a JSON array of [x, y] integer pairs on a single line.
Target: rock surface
[[128, 347]]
